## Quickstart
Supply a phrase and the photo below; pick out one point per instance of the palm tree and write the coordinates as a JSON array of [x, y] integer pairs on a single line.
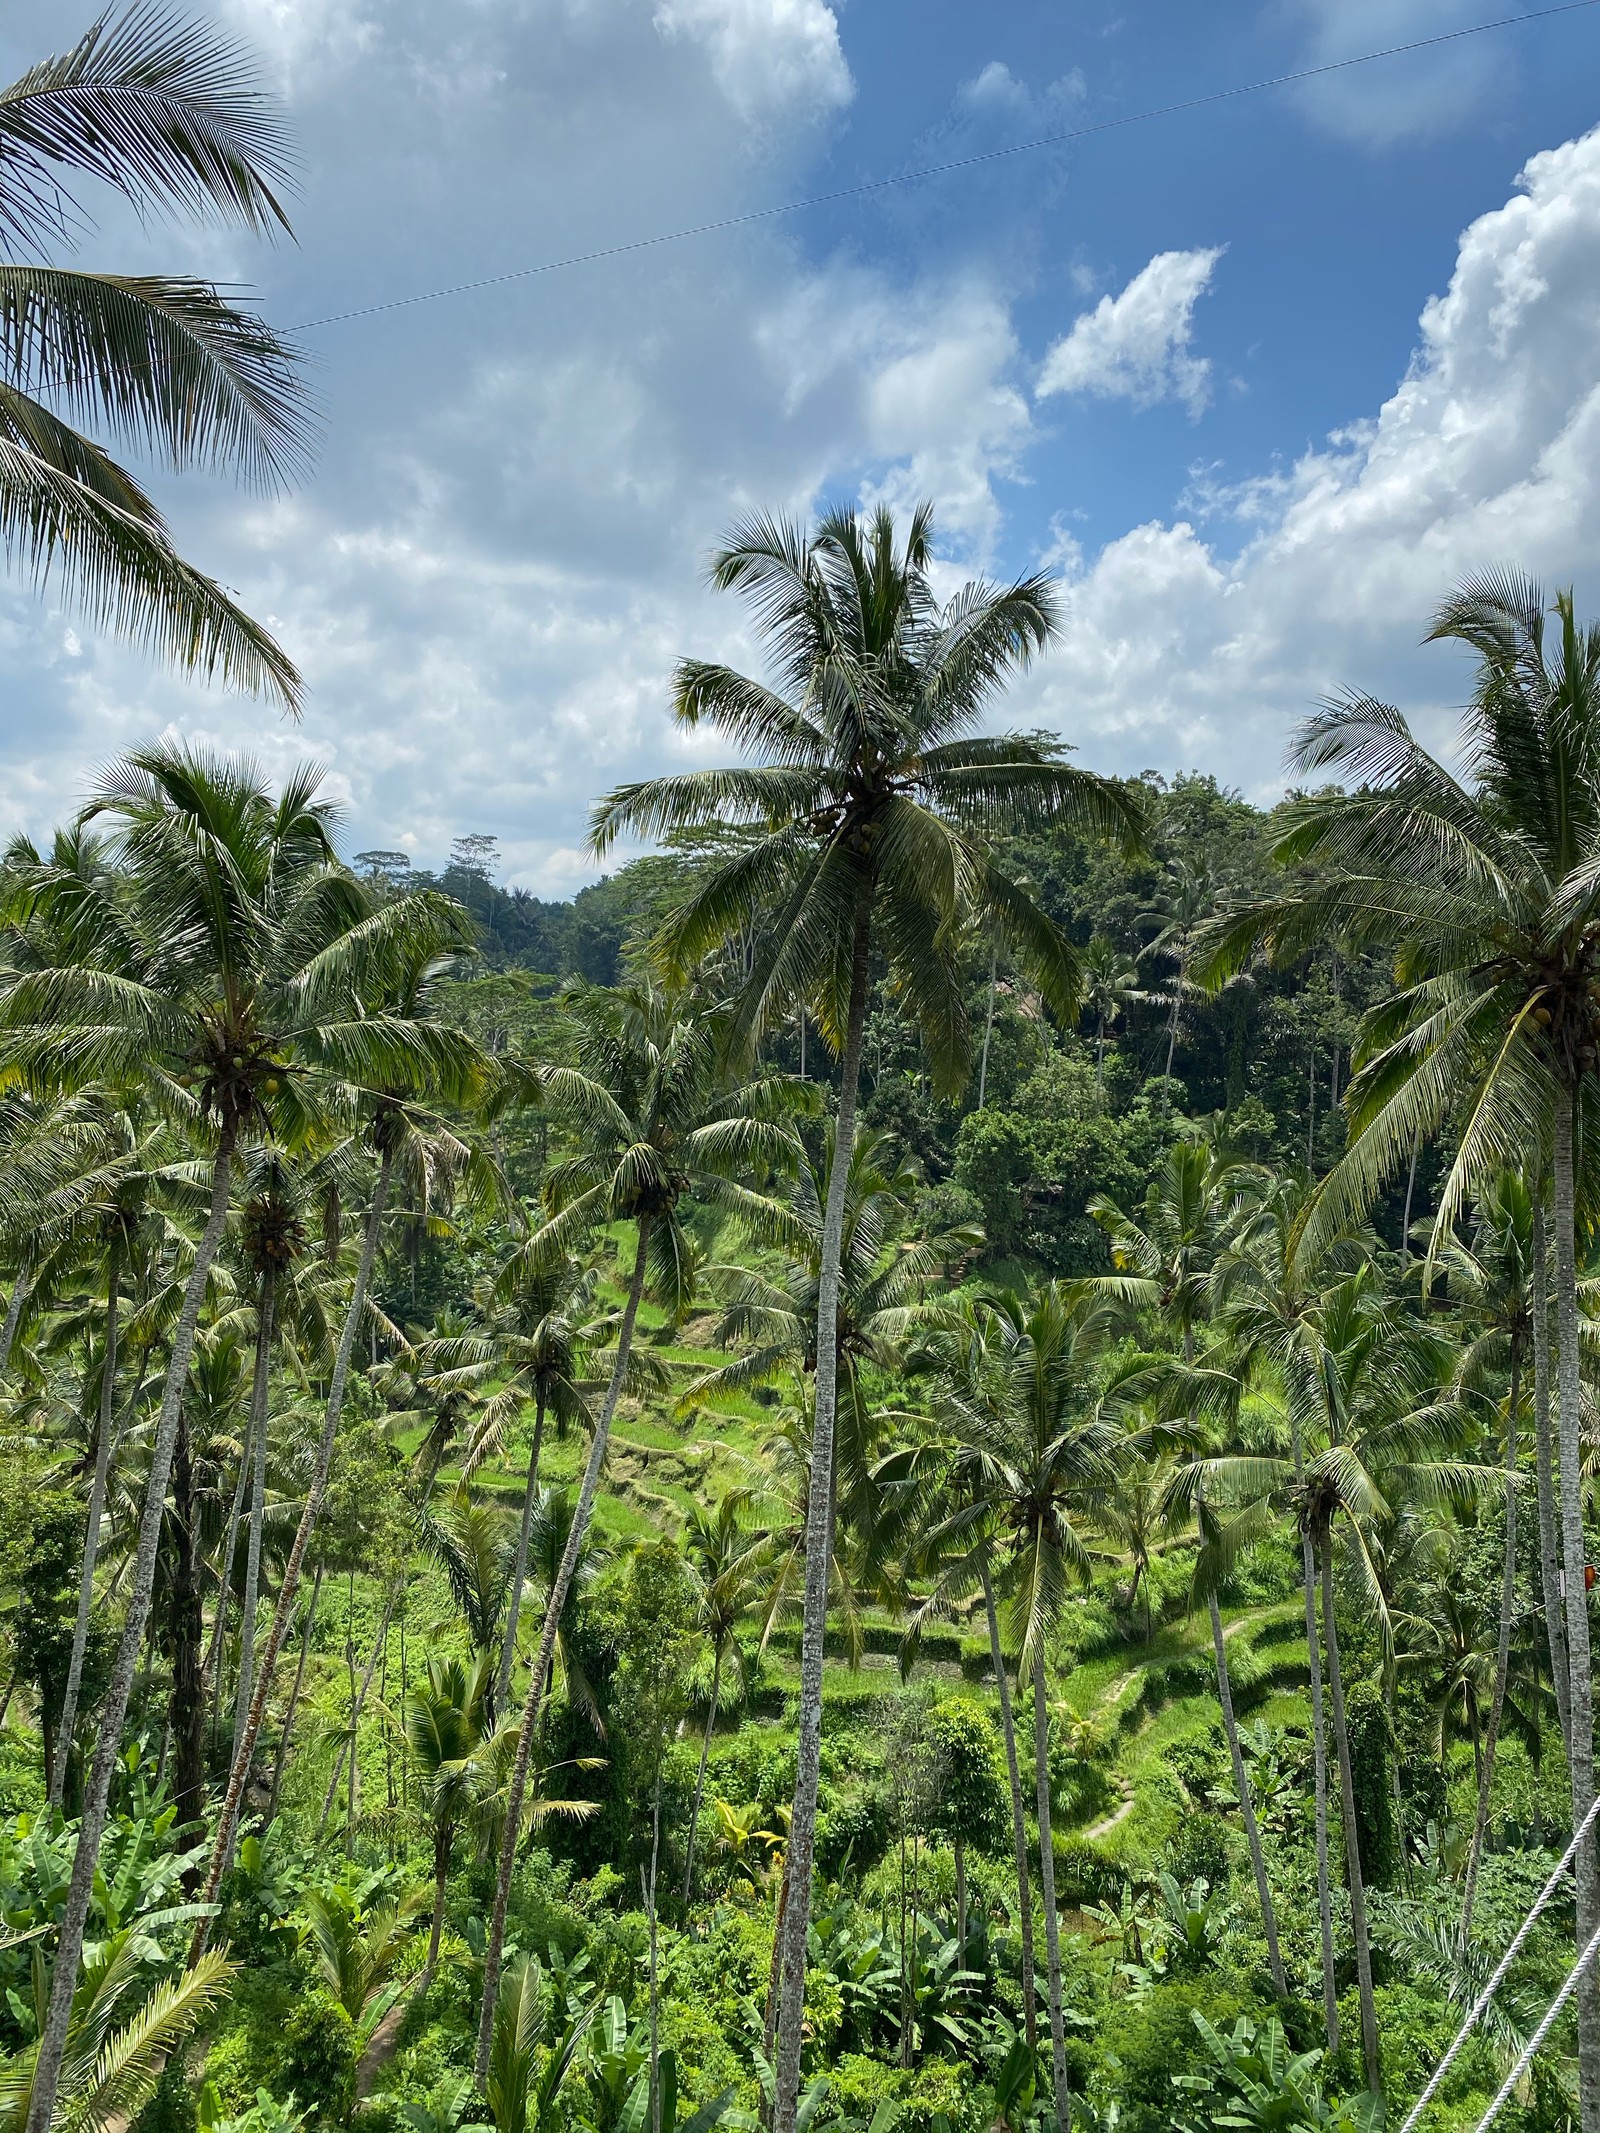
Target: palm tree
[[215, 950], [399, 1053], [651, 1122], [1488, 884], [1181, 905], [1036, 1455], [536, 1346], [447, 1728], [870, 819], [726, 1559], [1491, 1281], [1110, 984], [167, 114], [125, 2026]]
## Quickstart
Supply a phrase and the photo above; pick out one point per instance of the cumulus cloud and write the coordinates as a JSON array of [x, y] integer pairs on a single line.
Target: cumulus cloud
[[1488, 453], [768, 56], [1136, 346]]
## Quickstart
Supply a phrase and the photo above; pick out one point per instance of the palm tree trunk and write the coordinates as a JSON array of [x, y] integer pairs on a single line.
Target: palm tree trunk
[[577, 1533], [188, 1698], [700, 1775], [769, 2029], [519, 1570], [91, 1536], [1581, 1757], [1544, 1464], [141, 1585], [1047, 1889], [819, 1543], [280, 1761], [1241, 1784], [441, 1877], [1411, 1182], [13, 1318], [227, 1820], [1502, 1656], [358, 1703], [266, 1312], [1352, 1837], [219, 1620], [988, 1028], [1319, 1757], [1019, 1815]]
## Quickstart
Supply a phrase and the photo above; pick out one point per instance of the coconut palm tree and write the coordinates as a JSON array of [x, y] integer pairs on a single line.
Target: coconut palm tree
[[1488, 886], [652, 1120], [1110, 985], [868, 822], [535, 1347], [1034, 1454], [447, 1729], [1184, 901], [168, 115], [726, 1557], [216, 952]]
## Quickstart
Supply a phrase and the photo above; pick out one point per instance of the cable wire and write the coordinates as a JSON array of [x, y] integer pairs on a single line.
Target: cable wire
[[1475, 2012], [939, 170], [1539, 2035]]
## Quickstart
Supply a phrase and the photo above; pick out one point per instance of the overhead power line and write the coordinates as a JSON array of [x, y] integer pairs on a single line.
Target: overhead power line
[[939, 170]]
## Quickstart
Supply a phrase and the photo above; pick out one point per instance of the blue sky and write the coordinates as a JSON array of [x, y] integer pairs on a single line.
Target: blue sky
[[1259, 381]]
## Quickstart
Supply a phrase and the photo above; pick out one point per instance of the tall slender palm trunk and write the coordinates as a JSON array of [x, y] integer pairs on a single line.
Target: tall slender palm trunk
[[700, 1774], [283, 1613], [1581, 1756], [519, 1569], [141, 1586], [819, 1544], [266, 1312], [187, 1707], [1502, 1655], [1319, 1762], [1019, 1813], [516, 1791], [1247, 1810], [91, 1534], [1545, 1474], [219, 1618], [1047, 1890], [281, 1759], [1352, 1836], [13, 1318], [988, 1027]]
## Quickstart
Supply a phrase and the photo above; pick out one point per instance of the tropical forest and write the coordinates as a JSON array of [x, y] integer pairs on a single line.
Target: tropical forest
[[926, 1465]]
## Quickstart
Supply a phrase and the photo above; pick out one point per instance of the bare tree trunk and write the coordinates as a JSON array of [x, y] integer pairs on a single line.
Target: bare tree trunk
[[494, 1951], [1352, 1836], [91, 1535], [188, 1630], [13, 1318], [700, 1775], [266, 1313], [1411, 1182], [1319, 1753], [1581, 1759], [519, 1571], [1019, 1813], [819, 1543], [1545, 1471], [988, 1028], [280, 1761], [1502, 1656], [219, 1619], [1241, 1782], [227, 1821], [358, 1703], [1047, 1890], [141, 1585]]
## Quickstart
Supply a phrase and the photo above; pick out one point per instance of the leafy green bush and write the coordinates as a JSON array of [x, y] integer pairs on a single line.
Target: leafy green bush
[[1145, 2043], [318, 2064]]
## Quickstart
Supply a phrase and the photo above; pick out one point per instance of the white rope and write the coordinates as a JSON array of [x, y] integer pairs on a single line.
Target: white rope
[[1475, 2013], [1539, 2035]]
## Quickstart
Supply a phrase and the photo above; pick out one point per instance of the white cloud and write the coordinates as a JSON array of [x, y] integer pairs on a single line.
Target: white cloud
[[769, 57], [1488, 453], [1414, 94], [1136, 346]]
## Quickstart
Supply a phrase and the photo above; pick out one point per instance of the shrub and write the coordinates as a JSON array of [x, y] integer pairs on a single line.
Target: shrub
[[1144, 2044], [319, 2057]]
